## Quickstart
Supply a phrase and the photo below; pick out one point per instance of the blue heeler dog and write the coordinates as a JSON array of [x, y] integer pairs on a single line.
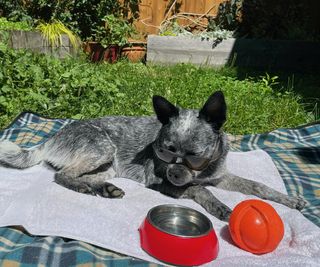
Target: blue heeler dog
[[178, 153]]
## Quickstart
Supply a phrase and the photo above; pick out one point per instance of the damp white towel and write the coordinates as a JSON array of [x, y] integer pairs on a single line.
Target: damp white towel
[[30, 198]]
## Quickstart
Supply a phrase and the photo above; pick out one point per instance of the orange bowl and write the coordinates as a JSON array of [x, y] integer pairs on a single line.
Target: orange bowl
[[178, 235], [255, 226]]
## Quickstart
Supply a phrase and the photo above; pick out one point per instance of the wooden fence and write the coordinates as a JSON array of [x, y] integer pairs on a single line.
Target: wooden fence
[[154, 12]]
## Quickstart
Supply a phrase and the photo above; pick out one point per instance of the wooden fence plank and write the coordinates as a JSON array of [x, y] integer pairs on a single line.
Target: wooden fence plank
[[152, 12]]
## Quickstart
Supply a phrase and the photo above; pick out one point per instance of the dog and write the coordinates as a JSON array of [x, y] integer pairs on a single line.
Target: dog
[[178, 152]]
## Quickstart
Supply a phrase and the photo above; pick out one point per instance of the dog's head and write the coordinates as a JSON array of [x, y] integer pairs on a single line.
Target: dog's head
[[190, 142]]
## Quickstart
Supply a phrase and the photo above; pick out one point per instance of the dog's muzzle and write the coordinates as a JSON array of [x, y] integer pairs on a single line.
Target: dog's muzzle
[[179, 175]]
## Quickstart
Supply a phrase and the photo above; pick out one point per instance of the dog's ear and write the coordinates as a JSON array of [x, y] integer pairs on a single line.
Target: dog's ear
[[214, 110], [164, 109]]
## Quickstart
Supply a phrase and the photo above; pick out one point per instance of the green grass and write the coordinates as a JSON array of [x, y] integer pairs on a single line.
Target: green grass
[[78, 89], [306, 85]]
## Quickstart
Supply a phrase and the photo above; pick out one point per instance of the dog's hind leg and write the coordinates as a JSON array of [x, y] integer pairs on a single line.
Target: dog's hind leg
[[79, 151], [80, 178]]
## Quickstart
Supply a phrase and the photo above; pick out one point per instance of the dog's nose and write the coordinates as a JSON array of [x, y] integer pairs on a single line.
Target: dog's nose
[[173, 175], [178, 174], [175, 172]]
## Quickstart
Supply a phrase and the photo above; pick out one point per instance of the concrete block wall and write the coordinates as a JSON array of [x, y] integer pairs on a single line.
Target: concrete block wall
[[35, 42]]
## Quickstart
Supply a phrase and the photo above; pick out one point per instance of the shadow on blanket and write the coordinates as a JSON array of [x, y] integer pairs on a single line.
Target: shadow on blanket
[[309, 155]]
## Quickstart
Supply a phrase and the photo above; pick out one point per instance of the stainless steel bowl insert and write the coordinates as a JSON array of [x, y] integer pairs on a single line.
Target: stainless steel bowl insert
[[179, 221]]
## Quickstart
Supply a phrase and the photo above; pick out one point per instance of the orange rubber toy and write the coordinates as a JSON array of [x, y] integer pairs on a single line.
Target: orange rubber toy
[[255, 226]]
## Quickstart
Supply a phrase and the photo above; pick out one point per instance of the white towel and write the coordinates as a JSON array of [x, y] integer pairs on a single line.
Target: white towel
[[30, 198]]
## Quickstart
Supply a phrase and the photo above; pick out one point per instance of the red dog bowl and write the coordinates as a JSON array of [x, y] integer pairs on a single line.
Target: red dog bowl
[[178, 235]]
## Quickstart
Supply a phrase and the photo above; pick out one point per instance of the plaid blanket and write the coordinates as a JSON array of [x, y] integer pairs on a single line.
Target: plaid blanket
[[296, 153]]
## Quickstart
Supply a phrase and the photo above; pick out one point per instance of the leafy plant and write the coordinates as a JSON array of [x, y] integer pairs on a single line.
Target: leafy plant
[[88, 15], [290, 20], [229, 15], [277, 20], [14, 11], [174, 29], [53, 31], [116, 31], [85, 17], [6, 25]]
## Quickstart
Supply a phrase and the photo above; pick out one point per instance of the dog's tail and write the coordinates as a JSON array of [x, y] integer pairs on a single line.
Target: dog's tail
[[11, 155]]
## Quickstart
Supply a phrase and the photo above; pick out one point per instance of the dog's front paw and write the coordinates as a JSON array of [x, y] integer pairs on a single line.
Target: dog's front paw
[[222, 212], [108, 190], [298, 202], [84, 189]]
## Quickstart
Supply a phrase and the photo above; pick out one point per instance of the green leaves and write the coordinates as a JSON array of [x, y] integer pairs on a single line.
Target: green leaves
[[77, 89], [52, 32], [83, 17], [6, 25], [115, 31]]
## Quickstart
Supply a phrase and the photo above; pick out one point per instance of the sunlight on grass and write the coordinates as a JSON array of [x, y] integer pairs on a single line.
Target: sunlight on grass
[[77, 89]]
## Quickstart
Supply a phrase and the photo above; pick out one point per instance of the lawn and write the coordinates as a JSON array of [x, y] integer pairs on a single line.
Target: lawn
[[305, 84], [75, 88]]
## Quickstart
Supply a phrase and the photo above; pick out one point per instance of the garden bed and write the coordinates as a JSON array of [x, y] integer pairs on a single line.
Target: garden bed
[[34, 41], [249, 53]]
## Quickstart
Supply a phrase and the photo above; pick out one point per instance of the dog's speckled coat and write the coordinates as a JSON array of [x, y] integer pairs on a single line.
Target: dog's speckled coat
[[86, 153]]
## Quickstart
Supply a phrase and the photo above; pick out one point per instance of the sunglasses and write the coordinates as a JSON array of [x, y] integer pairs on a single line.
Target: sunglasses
[[193, 162]]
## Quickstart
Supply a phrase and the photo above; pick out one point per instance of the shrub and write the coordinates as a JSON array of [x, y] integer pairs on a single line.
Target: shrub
[[291, 20], [84, 17]]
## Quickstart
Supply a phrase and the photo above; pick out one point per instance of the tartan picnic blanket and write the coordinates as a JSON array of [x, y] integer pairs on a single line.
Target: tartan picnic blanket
[[295, 152]]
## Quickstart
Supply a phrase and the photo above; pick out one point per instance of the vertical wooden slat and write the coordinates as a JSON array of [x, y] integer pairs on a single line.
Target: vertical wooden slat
[[152, 12], [146, 16], [212, 3]]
